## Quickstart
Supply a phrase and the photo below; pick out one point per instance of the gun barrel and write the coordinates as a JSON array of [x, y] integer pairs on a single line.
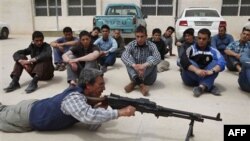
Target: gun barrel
[[146, 106]]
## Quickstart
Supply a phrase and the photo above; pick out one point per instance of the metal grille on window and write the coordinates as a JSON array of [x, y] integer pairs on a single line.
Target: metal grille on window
[[157, 7], [230, 7], [81, 7], [245, 8], [47, 7]]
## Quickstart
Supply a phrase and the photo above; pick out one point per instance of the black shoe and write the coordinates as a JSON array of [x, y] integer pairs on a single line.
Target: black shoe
[[12, 86], [215, 91], [197, 91], [32, 87], [57, 67]]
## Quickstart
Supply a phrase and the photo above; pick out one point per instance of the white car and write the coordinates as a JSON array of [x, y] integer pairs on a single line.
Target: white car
[[4, 30], [198, 18]]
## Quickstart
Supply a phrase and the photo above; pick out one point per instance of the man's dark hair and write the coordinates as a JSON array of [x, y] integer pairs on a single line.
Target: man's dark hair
[[88, 76], [245, 29], [67, 29], [141, 29], [171, 28], [37, 34], [156, 30], [84, 33], [96, 28], [189, 31], [205, 31], [105, 27]]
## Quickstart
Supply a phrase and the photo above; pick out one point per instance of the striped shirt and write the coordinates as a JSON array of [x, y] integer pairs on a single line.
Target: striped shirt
[[75, 104], [135, 54]]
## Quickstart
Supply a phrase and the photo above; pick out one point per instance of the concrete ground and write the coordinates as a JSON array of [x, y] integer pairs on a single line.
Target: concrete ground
[[168, 91]]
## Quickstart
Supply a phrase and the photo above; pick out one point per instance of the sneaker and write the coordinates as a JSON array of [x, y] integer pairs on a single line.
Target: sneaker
[[130, 87], [144, 89], [197, 91], [215, 91], [12, 86], [104, 69]]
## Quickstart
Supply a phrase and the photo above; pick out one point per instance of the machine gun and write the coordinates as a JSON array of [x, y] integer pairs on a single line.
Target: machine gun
[[146, 106]]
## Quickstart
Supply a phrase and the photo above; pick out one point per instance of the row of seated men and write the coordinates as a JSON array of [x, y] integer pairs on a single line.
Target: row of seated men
[[200, 61]]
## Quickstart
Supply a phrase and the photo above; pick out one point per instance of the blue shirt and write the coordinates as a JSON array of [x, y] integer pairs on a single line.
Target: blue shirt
[[109, 45], [237, 47], [221, 42]]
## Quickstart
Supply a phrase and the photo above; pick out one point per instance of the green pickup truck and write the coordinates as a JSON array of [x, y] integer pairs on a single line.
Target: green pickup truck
[[125, 17]]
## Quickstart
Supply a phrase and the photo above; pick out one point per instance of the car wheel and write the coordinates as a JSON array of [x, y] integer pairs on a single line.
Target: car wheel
[[4, 33]]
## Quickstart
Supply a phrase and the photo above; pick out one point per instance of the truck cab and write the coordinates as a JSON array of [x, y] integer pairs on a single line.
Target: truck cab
[[125, 17]]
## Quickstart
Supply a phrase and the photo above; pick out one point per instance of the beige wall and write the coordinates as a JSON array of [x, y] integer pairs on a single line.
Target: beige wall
[[17, 13]]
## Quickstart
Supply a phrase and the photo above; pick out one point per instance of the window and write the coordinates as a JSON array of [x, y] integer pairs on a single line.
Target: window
[[235, 8], [47, 7], [81, 7], [157, 7], [121, 10], [201, 13], [245, 8]]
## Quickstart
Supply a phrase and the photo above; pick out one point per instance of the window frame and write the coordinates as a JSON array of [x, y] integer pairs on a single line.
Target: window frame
[[82, 7], [157, 6], [48, 7], [239, 7]]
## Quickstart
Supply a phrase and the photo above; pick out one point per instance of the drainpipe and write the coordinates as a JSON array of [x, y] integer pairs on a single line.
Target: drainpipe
[[57, 25], [176, 10]]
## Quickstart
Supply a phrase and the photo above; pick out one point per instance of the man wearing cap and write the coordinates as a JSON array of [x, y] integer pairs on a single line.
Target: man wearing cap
[[63, 110]]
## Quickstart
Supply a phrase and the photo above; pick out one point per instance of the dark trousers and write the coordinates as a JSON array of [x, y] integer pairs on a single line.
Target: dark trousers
[[108, 60], [44, 70], [191, 79], [231, 63], [244, 78]]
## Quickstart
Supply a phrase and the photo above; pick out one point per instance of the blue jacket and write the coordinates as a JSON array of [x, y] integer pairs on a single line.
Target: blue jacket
[[202, 57], [46, 114]]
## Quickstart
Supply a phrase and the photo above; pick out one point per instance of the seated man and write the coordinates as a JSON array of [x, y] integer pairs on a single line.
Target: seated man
[[84, 55], [168, 40], [39, 66], [59, 50], [120, 42], [222, 40], [141, 58], [63, 110], [189, 39], [235, 49], [244, 76], [156, 39], [201, 65], [95, 34], [108, 46]]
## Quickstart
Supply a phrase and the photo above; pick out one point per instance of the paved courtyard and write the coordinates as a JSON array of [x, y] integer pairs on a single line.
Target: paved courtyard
[[168, 91]]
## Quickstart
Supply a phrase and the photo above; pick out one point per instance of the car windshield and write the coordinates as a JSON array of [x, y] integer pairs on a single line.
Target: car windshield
[[121, 10], [201, 13]]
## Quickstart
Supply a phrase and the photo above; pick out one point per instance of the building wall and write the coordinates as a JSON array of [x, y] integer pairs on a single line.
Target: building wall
[[18, 14]]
